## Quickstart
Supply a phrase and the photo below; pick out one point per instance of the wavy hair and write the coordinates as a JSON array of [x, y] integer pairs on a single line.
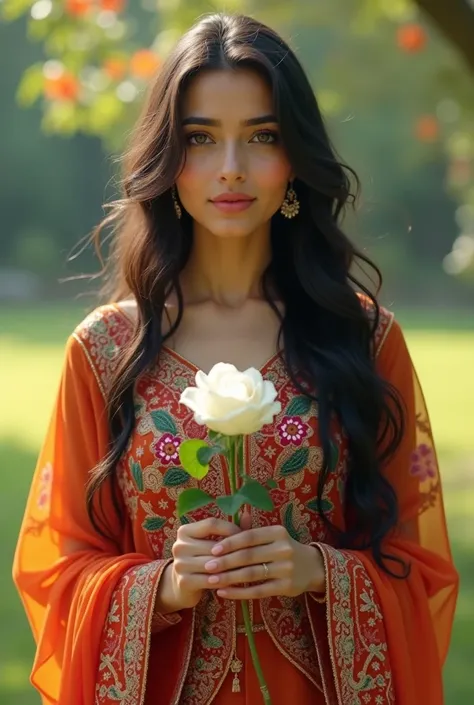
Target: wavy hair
[[326, 330]]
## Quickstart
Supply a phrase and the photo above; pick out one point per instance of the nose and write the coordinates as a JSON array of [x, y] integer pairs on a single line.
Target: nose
[[233, 166]]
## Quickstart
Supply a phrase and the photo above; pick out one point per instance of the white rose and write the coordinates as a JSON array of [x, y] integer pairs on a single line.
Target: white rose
[[231, 402]]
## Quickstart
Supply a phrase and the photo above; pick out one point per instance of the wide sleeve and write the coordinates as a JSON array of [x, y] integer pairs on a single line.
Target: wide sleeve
[[387, 638], [80, 589]]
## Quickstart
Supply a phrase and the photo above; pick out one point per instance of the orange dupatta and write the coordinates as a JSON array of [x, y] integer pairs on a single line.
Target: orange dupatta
[[385, 638], [65, 572]]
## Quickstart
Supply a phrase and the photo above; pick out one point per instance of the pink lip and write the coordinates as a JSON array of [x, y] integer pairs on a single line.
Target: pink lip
[[232, 202]]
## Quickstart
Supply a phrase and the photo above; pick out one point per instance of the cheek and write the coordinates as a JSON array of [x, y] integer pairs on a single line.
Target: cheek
[[273, 173], [191, 176]]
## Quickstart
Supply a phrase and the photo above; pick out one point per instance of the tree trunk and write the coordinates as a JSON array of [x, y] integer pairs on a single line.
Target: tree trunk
[[455, 20]]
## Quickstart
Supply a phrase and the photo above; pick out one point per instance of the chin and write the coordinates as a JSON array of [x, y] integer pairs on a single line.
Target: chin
[[231, 229]]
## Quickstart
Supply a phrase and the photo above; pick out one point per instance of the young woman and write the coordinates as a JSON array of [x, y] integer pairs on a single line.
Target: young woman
[[228, 247]]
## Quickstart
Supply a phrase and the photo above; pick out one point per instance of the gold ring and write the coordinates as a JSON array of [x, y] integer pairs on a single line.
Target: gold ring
[[265, 568]]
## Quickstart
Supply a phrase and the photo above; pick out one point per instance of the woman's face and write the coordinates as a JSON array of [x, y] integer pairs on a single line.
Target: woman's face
[[236, 171]]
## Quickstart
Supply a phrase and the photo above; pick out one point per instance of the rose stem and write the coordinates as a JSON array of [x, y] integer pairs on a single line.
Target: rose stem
[[235, 448]]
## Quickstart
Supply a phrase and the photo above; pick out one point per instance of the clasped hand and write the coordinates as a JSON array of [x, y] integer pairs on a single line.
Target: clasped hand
[[238, 557]]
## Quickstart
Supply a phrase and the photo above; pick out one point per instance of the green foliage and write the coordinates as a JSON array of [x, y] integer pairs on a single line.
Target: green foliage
[[188, 455], [191, 499]]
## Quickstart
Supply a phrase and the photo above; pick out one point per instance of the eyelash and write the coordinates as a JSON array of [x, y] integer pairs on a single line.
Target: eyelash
[[272, 134]]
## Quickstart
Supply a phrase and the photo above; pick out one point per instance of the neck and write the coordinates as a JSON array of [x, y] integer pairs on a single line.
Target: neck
[[225, 270]]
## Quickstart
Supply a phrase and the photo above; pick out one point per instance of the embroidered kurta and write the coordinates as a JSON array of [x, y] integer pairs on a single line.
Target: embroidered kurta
[[90, 599]]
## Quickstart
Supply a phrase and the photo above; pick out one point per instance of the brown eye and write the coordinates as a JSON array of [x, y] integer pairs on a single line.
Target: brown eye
[[265, 137], [198, 138]]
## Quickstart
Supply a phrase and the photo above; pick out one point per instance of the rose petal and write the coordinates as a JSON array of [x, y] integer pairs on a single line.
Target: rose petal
[[193, 398], [202, 380]]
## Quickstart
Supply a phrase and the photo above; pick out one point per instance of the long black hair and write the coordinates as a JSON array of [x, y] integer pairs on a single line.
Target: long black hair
[[326, 330]]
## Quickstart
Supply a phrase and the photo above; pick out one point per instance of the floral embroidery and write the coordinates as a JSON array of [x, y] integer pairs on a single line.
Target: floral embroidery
[[45, 487], [150, 479], [357, 642], [292, 431], [124, 650], [166, 449], [423, 463]]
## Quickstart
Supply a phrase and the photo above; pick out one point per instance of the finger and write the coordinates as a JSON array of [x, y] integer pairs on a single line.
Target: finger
[[192, 565], [245, 520], [208, 527], [248, 574], [193, 547], [267, 553], [246, 539], [270, 588]]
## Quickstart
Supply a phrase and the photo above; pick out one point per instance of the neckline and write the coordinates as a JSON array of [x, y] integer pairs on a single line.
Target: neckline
[[181, 358]]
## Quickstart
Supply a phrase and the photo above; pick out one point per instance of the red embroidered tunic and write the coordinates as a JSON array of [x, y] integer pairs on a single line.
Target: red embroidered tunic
[[90, 600]]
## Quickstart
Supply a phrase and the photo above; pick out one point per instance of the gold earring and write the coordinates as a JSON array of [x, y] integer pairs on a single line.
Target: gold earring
[[290, 206], [177, 207]]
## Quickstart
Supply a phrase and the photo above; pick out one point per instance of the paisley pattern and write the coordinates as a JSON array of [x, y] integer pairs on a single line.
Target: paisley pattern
[[357, 639], [124, 657], [150, 478]]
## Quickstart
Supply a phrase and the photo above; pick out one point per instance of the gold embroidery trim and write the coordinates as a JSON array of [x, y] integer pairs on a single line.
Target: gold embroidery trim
[[91, 363], [184, 670], [386, 332], [255, 628], [328, 622], [315, 640], [148, 635], [230, 659], [288, 658]]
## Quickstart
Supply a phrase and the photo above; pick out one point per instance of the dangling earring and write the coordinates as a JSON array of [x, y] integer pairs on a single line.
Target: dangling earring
[[177, 207], [290, 206]]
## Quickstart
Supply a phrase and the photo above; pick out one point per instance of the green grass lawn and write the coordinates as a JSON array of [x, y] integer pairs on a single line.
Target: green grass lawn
[[31, 351]]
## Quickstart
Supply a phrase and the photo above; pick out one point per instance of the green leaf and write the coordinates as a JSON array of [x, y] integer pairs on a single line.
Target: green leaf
[[299, 406], [289, 524], [192, 498], [188, 454], [256, 495], [214, 436], [230, 504], [333, 456], [295, 463], [153, 523], [164, 422], [204, 455], [271, 483], [31, 85], [175, 477], [326, 505], [12, 9], [137, 474]]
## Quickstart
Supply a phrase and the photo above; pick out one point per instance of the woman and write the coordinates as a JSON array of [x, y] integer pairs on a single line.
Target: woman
[[228, 248]]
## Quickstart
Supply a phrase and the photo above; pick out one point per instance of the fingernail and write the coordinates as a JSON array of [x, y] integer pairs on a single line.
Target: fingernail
[[210, 565], [213, 579], [217, 549]]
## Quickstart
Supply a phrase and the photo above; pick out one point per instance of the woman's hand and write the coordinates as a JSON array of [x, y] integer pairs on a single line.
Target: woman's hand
[[184, 580], [293, 567]]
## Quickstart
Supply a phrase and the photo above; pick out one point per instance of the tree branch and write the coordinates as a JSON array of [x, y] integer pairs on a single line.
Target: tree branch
[[455, 20]]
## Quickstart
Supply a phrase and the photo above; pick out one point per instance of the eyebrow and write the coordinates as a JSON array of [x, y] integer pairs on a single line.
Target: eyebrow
[[209, 122]]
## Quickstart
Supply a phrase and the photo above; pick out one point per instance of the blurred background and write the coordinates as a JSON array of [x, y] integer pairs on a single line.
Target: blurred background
[[395, 80]]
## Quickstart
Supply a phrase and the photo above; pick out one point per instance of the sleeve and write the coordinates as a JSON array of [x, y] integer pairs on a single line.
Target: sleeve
[[387, 638], [74, 582]]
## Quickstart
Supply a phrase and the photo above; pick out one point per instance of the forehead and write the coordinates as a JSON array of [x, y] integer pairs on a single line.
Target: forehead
[[229, 93]]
